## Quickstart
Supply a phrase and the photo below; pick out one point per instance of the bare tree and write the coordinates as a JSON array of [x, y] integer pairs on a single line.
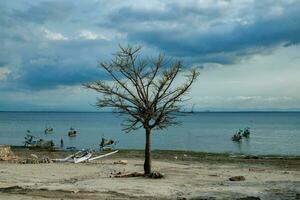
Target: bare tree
[[144, 91]]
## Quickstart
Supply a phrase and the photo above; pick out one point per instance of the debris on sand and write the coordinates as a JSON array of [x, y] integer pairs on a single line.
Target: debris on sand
[[5, 150], [155, 175], [256, 170], [133, 174], [6, 153], [249, 198], [34, 156], [121, 162], [251, 157], [43, 160], [237, 178]]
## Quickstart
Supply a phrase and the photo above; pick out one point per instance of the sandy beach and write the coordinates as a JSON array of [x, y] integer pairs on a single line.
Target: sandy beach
[[188, 175]]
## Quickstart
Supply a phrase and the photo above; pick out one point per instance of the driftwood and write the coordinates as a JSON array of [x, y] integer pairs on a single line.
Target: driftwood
[[8, 158], [154, 175], [237, 178], [133, 174]]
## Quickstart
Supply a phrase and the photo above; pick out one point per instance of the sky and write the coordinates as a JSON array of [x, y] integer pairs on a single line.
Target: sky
[[248, 52]]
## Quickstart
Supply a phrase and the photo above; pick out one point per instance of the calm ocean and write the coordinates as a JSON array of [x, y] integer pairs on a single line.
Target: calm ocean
[[272, 133]]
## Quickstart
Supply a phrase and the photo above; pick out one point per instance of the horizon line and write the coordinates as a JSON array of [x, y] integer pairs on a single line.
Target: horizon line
[[187, 112]]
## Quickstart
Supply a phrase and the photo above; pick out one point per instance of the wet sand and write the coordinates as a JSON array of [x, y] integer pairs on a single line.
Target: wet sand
[[188, 175]]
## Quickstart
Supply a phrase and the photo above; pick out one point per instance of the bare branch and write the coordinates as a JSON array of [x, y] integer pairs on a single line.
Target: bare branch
[[142, 91]]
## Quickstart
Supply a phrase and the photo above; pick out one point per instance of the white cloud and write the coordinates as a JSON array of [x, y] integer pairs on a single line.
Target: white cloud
[[89, 35], [54, 35], [262, 81]]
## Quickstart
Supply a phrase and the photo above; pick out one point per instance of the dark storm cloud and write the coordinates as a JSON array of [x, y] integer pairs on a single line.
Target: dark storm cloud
[[54, 45], [44, 11], [62, 63], [170, 12], [43, 45], [55, 74], [225, 42]]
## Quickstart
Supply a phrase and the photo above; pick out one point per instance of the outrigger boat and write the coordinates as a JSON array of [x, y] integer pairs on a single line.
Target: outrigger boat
[[82, 156]]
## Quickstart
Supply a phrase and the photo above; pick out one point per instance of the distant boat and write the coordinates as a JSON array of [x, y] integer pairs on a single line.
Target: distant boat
[[107, 144], [237, 137], [246, 132], [48, 130], [72, 132], [34, 142]]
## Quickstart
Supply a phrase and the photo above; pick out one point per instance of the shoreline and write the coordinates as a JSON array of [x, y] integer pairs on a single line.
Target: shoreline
[[188, 175], [196, 153]]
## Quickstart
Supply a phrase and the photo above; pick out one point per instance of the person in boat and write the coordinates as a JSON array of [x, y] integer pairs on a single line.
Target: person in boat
[[237, 137], [48, 130], [105, 142], [246, 132], [28, 139], [241, 131], [72, 132]]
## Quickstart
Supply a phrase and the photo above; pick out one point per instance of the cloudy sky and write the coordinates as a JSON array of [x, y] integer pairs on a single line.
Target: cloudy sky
[[247, 51]]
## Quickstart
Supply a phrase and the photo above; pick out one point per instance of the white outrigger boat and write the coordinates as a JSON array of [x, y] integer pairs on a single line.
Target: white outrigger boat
[[85, 156]]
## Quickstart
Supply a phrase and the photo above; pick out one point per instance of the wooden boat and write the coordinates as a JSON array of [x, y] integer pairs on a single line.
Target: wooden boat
[[48, 130], [34, 142], [72, 132], [236, 137], [107, 144]]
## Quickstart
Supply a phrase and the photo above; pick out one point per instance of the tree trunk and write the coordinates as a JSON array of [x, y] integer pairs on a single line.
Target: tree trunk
[[147, 164]]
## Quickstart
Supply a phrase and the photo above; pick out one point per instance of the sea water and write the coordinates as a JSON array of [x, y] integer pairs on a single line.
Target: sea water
[[272, 133]]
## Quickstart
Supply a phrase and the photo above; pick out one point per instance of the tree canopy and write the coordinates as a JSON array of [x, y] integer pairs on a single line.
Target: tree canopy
[[142, 88]]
